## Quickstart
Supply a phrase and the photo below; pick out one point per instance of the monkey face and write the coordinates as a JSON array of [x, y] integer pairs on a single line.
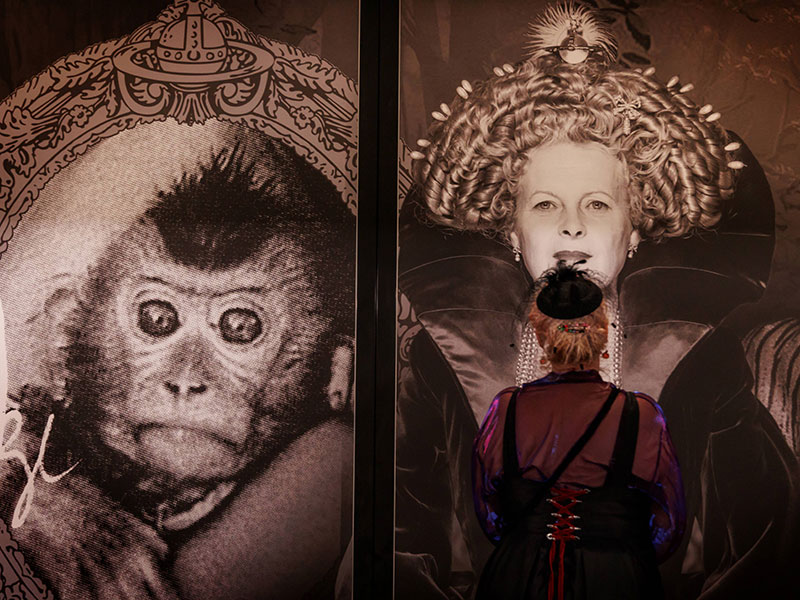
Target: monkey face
[[196, 355], [207, 366]]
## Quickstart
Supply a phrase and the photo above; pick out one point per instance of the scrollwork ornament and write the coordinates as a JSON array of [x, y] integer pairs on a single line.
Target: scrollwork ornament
[[407, 326], [17, 581]]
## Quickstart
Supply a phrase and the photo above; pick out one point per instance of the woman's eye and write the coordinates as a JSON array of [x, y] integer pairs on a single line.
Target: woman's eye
[[597, 205], [543, 205], [239, 326], [158, 318]]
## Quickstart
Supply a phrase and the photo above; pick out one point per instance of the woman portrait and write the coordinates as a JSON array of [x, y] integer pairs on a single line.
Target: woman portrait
[[579, 151]]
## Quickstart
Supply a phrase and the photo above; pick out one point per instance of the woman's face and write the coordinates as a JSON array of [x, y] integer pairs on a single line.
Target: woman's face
[[572, 205]]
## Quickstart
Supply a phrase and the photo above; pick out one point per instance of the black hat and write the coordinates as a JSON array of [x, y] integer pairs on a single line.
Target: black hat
[[568, 293]]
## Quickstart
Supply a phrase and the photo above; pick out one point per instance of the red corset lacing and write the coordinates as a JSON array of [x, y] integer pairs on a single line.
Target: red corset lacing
[[564, 529]]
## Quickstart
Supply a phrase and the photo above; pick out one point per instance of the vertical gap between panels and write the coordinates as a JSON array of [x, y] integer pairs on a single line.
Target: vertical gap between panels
[[376, 301]]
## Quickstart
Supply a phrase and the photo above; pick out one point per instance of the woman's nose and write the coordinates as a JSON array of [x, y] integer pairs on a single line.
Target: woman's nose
[[572, 226]]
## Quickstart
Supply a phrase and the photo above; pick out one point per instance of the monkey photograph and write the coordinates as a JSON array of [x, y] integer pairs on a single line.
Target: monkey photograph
[[179, 309]]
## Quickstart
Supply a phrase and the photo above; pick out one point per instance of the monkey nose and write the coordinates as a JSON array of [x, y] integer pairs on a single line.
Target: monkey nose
[[188, 389]]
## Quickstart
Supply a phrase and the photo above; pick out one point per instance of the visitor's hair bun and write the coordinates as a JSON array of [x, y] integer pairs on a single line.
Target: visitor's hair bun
[[568, 293]]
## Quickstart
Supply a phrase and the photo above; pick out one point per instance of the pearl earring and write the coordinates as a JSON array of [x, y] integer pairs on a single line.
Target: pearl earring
[[517, 254], [632, 250]]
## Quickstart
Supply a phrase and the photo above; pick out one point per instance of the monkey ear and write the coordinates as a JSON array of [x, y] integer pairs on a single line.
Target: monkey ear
[[340, 387], [50, 328]]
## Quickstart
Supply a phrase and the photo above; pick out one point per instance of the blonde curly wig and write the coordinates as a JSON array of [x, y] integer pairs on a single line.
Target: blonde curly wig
[[672, 151]]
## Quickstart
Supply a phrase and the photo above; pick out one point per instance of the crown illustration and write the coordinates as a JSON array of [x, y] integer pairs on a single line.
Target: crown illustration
[[192, 64], [201, 68], [194, 44], [193, 57]]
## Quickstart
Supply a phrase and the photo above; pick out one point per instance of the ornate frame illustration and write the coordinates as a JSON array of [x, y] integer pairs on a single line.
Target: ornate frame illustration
[[192, 63]]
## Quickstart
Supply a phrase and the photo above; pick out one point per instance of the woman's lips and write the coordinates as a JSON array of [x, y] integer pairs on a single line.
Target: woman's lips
[[571, 255]]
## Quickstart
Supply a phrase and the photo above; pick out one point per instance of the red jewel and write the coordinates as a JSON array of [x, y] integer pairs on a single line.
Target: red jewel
[[605, 354], [543, 361]]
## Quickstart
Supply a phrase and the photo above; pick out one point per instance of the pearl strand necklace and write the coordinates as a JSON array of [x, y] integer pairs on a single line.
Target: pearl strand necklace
[[529, 366]]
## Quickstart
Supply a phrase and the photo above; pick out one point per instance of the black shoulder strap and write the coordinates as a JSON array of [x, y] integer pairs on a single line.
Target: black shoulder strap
[[619, 469], [573, 452], [510, 459]]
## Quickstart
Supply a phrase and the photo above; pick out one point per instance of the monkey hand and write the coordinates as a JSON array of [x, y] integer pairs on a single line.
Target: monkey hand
[[85, 546]]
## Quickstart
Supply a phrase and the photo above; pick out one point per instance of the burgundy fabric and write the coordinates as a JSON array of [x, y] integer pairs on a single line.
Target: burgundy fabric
[[552, 413]]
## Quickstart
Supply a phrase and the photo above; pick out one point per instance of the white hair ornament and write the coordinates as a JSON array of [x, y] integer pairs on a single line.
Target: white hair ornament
[[629, 109]]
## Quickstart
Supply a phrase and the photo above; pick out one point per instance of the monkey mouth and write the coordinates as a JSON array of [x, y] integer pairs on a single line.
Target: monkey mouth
[[188, 452], [186, 434]]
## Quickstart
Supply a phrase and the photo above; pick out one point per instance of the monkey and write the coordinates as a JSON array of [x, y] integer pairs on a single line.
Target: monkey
[[208, 347]]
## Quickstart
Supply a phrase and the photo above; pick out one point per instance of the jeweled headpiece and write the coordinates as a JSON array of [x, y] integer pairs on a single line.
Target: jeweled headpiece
[[573, 33]]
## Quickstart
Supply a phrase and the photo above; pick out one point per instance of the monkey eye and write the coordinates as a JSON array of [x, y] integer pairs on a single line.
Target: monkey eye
[[239, 325], [158, 318]]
